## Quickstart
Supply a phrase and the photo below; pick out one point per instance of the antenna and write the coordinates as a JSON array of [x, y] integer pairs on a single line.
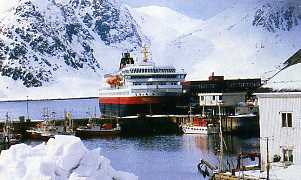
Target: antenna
[[145, 53]]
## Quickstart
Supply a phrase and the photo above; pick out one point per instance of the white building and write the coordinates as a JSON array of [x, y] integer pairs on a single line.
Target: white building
[[228, 99], [280, 123]]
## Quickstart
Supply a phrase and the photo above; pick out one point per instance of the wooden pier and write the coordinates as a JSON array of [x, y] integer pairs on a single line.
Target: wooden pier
[[229, 176]]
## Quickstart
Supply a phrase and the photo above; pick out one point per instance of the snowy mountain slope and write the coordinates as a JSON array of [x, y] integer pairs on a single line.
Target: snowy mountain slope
[[41, 40], [39, 37], [162, 25], [247, 39], [200, 9]]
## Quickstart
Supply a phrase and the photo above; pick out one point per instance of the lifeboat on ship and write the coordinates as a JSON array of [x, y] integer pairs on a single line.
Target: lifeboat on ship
[[114, 80]]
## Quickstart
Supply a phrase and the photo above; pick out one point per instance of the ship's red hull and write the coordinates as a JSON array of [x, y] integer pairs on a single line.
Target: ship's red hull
[[135, 105], [131, 100]]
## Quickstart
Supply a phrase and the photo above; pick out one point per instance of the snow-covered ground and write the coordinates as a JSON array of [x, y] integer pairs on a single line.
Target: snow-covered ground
[[62, 158], [276, 173], [287, 80]]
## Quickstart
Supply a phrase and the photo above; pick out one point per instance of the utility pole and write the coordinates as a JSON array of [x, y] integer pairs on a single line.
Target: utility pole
[[267, 156], [27, 108]]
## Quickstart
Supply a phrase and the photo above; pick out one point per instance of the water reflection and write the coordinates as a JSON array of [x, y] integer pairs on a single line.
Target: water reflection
[[167, 157]]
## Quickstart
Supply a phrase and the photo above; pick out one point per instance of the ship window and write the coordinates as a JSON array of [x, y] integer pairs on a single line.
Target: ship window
[[213, 98]]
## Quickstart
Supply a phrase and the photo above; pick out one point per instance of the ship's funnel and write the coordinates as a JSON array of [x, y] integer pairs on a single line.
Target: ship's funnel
[[126, 59]]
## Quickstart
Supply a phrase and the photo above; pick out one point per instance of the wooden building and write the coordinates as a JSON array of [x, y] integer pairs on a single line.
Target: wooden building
[[280, 127]]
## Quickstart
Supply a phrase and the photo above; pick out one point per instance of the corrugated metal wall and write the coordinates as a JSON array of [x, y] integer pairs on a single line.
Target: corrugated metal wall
[[270, 109]]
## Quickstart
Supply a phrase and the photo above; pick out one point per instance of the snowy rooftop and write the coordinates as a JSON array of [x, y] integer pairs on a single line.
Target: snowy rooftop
[[288, 79]]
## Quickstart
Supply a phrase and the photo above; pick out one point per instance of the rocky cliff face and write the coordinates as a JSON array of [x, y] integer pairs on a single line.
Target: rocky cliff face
[[39, 38], [275, 16]]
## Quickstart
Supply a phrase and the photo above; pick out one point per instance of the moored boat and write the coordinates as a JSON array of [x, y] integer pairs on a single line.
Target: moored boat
[[199, 126], [141, 88], [91, 131]]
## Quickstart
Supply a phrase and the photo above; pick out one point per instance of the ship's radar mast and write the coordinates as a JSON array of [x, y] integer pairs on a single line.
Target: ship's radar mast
[[145, 54]]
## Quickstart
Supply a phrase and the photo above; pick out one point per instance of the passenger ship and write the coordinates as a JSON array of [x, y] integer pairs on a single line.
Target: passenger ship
[[141, 89]]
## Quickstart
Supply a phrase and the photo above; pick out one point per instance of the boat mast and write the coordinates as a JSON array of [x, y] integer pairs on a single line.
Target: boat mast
[[221, 155]]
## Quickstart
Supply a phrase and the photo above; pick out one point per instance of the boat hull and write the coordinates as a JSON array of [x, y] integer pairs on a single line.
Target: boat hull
[[137, 105], [86, 133], [195, 130], [35, 135], [199, 130]]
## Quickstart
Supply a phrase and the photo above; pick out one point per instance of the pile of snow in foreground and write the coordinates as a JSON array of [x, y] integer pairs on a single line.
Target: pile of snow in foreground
[[287, 79], [62, 158]]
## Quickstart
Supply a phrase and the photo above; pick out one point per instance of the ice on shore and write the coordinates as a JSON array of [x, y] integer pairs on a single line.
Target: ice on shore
[[62, 158], [277, 172]]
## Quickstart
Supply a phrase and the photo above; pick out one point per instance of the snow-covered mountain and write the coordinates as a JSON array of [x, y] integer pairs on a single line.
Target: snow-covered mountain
[[40, 40], [65, 46], [248, 39]]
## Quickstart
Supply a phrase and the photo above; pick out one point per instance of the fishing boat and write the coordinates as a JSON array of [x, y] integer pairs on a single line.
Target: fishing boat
[[7, 136], [90, 131], [199, 126], [45, 129]]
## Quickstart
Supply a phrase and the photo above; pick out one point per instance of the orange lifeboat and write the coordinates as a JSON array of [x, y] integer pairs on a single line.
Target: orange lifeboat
[[114, 80]]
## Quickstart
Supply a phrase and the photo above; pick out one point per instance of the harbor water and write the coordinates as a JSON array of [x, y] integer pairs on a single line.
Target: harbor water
[[157, 156], [167, 157]]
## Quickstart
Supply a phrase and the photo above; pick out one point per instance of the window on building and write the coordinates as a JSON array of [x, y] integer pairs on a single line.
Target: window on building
[[220, 98], [213, 98], [286, 119], [288, 155], [202, 98]]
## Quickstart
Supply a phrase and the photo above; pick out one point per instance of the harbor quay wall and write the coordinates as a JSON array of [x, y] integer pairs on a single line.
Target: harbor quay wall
[[149, 125]]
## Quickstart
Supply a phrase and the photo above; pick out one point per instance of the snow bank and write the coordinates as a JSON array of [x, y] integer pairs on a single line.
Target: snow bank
[[287, 79], [62, 158], [276, 173]]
